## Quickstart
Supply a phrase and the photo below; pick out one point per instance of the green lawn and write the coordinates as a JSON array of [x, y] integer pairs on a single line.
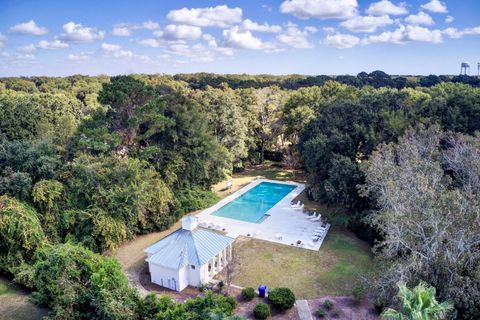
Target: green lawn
[[333, 270]]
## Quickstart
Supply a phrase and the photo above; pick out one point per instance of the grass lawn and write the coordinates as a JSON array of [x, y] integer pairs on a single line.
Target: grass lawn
[[333, 270], [15, 305]]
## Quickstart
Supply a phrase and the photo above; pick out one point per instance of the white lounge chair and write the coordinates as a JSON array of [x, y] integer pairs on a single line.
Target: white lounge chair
[[229, 184], [315, 238], [300, 207], [295, 205], [316, 217]]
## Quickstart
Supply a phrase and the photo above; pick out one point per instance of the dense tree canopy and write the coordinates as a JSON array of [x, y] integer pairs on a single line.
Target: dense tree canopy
[[89, 162]]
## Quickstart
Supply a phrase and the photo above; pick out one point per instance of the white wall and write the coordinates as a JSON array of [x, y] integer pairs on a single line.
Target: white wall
[[161, 276]]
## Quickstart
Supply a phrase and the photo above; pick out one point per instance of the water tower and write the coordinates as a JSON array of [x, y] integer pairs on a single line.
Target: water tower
[[464, 67]]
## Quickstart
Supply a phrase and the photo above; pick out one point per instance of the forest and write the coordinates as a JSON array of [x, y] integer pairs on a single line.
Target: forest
[[87, 163]]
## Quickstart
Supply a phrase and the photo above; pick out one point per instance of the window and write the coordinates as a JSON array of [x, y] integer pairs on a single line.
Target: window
[[193, 267]]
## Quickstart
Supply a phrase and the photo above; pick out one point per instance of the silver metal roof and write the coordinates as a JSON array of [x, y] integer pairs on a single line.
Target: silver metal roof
[[184, 247]]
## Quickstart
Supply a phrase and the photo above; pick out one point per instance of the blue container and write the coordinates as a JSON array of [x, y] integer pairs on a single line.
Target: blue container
[[262, 289]]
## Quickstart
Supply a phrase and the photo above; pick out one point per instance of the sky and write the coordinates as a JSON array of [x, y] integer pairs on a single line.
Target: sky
[[59, 38]]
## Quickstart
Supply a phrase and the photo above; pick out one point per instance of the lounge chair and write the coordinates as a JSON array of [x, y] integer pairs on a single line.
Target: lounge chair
[[295, 205], [316, 217], [315, 238], [300, 207]]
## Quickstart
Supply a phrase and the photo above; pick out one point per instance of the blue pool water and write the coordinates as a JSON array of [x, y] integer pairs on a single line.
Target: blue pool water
[[253, 204]]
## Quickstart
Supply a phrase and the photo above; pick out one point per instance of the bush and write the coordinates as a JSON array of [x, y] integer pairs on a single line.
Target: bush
[[328, 305], [189, 200], [248, 294], [358, 292], [261, 311], [21, 234], [282, 298], [320, 313]]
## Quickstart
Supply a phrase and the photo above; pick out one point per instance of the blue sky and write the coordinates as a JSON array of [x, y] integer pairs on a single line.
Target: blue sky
[[61, 38]]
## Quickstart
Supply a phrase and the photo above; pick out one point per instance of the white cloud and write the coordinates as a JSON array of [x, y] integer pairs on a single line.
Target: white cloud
[[250, 25], [455, 33], [320, 9], [243, 39], [107, 47], [420, 18], [115, 51], [449, 19], [29, 27], [212, 43], [79, 57], [197, 52], [387, 7], [25, 56], [150, 25], [3, 39], [267, 7], [329, 29], [181, 32], [150, 42], [295, 37], [55, 44], [126, 29], [122, 31], [75, 32], [366, 23], [341, 41], [27, 48], [435, 6], [406, 34], [219, 16]]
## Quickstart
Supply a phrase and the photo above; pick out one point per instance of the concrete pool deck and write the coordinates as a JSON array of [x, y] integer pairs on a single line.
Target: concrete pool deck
[[284, 224]]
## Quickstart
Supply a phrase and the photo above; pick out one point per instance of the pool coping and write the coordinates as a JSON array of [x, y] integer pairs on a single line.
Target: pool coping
[[291, 224], [245, 189]]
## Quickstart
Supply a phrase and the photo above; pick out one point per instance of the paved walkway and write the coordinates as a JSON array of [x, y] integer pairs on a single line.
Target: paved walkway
[[304, 310]]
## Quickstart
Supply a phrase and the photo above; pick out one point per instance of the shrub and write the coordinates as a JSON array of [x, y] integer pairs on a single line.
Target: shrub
[[204, 307], [261, 311], [320, 313], [195, 199], [328, 305], [358, 292], [21, 234], [248, 294], [282, 298]]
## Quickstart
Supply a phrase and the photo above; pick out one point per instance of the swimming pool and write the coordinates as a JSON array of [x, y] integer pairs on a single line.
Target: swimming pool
[[253, 204]]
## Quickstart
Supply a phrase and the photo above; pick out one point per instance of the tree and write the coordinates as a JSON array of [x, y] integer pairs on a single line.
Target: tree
[[124, 94], [224, 115], [418, 304], [269, 103], [79, 284], [426, 199]]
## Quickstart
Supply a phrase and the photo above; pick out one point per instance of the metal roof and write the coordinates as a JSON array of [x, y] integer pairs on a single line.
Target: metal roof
[[185, 247]]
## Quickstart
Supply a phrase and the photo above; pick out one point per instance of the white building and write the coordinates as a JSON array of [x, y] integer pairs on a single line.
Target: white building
[[189, 256]]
